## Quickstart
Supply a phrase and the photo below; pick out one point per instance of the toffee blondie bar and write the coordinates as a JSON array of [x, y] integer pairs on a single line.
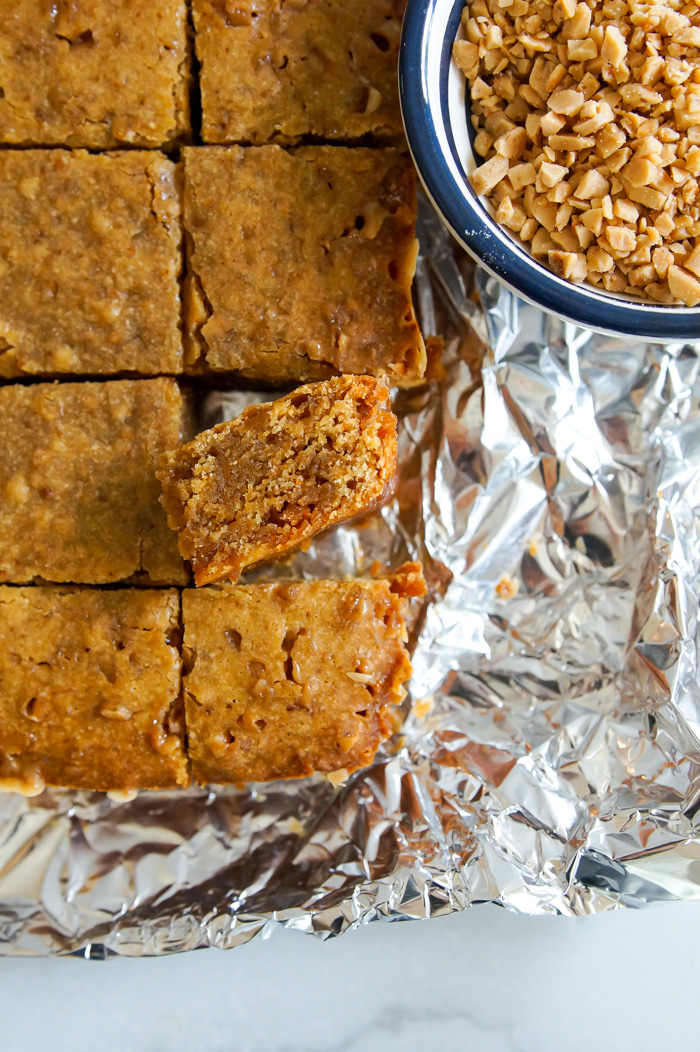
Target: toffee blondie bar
[[276, 70], [89, 688], [300, 263], [93, 73], [285, 680], [89, 263], [257, 486], [78, 491]]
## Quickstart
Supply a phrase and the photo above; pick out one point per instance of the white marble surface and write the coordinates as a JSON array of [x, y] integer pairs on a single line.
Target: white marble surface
[[486, 981]]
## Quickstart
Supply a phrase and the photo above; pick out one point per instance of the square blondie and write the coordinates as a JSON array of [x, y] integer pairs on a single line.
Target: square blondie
[[258, 486], [93, 73], [288, 679], [78, 491], [89, 689], [276, 70], [90, 261], [300, 263]]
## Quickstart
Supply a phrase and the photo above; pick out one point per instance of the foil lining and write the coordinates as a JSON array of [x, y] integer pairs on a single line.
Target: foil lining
[[550, 760]]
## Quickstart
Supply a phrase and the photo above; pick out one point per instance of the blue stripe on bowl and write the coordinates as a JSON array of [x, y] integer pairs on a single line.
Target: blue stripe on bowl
[[434, 128]]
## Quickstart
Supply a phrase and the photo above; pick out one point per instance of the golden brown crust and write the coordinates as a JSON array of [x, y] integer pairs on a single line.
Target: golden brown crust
[[300, 263], [93, 73], [89, 689], [275, 70], [285, 680], [258, 486], [78, 492], [89, 263]]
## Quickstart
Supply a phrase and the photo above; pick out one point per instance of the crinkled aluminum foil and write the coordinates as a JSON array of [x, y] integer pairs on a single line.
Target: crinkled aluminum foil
[[551, 758]]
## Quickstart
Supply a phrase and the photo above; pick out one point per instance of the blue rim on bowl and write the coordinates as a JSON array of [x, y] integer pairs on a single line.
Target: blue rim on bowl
[[434, 107]]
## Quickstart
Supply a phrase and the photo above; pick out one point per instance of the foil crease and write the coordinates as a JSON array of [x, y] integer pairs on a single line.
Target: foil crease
[[550, 758]]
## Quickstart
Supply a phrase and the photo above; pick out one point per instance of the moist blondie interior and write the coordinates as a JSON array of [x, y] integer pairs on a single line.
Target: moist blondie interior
[[257, 486]]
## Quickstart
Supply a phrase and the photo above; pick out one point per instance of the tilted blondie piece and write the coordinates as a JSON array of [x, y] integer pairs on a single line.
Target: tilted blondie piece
[[285, 680], [89, 689], [78, 491], [300, 263], [89, 263], [257, 486], [281, 69], [93, 73]]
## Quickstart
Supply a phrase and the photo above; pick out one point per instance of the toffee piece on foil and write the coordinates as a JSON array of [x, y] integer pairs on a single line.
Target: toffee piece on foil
[[90, 689], [284, 680], [255, 487]]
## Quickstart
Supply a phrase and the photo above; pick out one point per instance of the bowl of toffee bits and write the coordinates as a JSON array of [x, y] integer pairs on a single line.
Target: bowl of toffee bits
[[560, 142]]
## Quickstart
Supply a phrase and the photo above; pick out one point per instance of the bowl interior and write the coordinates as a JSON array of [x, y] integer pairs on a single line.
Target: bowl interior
[[435, 104]]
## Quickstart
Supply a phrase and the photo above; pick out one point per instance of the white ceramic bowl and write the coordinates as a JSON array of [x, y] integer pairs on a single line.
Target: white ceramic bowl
[[435, 113]]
